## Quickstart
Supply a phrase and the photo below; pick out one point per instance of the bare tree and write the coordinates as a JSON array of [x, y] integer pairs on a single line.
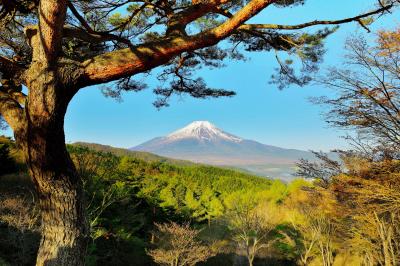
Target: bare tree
[[377, 238], [178, 245], [323, 169], [252, 227], [55, 48], [367, 88], [372, 202], [315, 218]]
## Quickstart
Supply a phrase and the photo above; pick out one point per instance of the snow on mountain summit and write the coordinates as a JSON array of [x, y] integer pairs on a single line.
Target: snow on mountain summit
[[202, 130]]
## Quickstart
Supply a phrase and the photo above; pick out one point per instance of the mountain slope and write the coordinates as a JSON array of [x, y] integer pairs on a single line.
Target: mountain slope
[[203, 142], [146, 156]]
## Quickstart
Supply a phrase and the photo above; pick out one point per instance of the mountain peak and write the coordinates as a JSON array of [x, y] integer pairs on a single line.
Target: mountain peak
[[203, 142], [203, 130], [201, 123]]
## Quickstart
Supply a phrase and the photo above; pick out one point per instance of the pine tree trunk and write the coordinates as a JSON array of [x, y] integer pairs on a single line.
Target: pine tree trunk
[[63, 221], [64, 225]]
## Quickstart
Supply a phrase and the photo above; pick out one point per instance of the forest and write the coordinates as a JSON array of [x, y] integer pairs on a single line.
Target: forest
[[73, 205], [128, 198]]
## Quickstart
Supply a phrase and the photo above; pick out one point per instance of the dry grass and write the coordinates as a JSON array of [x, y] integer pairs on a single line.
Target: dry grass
[[19, 220]]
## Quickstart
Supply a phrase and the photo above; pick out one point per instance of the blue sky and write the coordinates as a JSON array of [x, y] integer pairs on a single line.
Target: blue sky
[[259, 111]]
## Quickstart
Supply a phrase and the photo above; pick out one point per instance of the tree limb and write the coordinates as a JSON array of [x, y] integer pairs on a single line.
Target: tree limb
[[19, 97], [9, 68], [98, 36], [11, 111], [126, 62], [94, 37], [79, 17], [315, 22], [178, 22]]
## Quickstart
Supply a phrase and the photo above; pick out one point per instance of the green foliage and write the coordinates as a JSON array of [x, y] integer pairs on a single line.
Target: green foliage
[[298, 184], [145, 156], [126, 196], [196, 192]]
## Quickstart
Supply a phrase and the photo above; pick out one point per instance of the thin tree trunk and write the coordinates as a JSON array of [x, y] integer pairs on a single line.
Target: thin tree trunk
[[250, 256], [152, 239], [251, 261]]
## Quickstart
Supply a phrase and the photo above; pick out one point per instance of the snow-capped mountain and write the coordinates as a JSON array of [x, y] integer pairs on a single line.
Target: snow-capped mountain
[[202, 131], [203, 142]]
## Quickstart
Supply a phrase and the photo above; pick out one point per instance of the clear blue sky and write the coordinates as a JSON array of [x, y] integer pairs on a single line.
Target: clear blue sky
[[259, 111]]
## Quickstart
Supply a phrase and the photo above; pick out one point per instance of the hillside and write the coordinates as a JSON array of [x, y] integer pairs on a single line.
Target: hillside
[[174, 166], [146, 156]]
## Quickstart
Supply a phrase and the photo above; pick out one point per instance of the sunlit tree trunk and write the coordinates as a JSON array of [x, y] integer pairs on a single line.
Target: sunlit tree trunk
[[64, 227]]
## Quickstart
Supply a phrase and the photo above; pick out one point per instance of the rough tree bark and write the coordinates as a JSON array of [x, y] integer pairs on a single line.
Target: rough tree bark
[[64, 228], [40, 135]]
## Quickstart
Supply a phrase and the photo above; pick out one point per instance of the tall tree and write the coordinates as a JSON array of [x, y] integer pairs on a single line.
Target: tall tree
[[52, 49]]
